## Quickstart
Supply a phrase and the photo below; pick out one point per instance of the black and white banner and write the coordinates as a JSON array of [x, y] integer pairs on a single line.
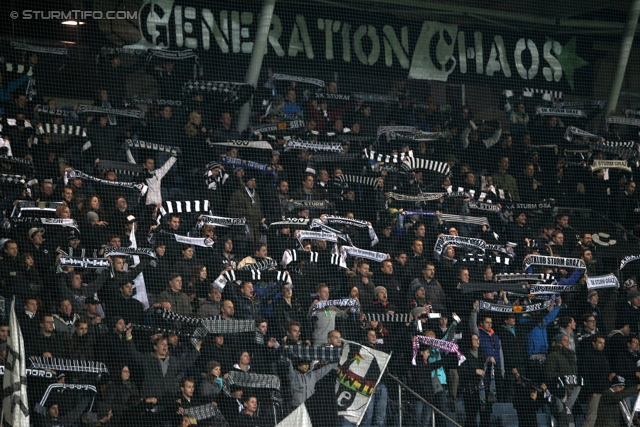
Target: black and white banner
[[556, 262], [606, 281], [315, 235], [15, 405], [136, 114], [523, 277], [333, 219], [194, 241], [82, 262]]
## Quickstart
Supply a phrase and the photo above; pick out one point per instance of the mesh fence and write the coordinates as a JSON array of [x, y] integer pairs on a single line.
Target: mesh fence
[[268, 213]]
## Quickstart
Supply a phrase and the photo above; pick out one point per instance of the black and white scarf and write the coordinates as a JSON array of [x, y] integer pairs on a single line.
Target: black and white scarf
[[82, 262], [203, 242], [74, 173], [306, 204], [68, 365], [529, 206], [64, 222], [172, 54], [553, 289], [350, 303], [316, 235], [317, 223], [291, 222], [426, 136], [566, 112], [43, 109], [120, 251], [136, 114], [550, 261], [18, 68], [71, 130], [322, 353], [358, 223], [388, 318], [357, 179], [40, 49], [363, 253], [249, 164], [240, 143], [501, 308], [484, 206], [518, 288], [468, 243], [610, 164], [184, 206], [136, 143], [422, 198], [572, 130], [623, 121], [32, 205], [581, 105], [626, 260], [522, 277], [290, 78], [228, 89], [17, 161], [412, 163], [396, 129], [386, 158], [464, 219], [120, 168], [152, 101], [249, 380], [220, 221], [208, 412], [13, 179], [447, 346], [611, 149], [333, 147], [503, 249], [600, 282]]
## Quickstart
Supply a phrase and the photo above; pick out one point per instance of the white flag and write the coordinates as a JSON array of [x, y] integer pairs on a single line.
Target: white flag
[[359, 373], [138, 283], [298, 418], [15, 406]]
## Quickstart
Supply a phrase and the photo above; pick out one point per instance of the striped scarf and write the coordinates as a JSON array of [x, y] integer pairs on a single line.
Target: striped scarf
[[207, 412], [448, 346], [136, 143], [412, 163], [388, 318], [323, 353], [68, 365], [352, 304], [359, 223], [492, 385]]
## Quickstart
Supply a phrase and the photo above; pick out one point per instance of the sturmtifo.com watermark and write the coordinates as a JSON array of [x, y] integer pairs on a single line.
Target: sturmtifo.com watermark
[[76, 15]]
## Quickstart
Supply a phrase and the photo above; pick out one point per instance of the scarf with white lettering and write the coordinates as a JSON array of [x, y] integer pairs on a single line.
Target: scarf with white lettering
[[316, 223], [553, 289], [417, 200], [468, 243], [549, 204], [240, 143], [566, 112], [606, 281], [135, 114], [152, 101], [228, 89], [313, 146], [120, 251], [350, 303], [521, 277], [277, 127], [307, 204], [220, 221], [623, 121], [74, 173], [359, 223], [249, 164], [550, 261], [610, 164], [626, 260], [363, 253], [397, 129], [447, 346], [315, 235], [64, 222], [290, 222], [194, 241], [40, 49], [501, 308], [17, 161], [289, 78], [82, 262], [43, 109]]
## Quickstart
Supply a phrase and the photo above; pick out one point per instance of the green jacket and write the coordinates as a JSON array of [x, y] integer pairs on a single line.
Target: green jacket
[[180, 302], [560, 362]]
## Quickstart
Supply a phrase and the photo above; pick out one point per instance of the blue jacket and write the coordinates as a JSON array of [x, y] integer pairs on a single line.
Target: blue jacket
[[537, 339]]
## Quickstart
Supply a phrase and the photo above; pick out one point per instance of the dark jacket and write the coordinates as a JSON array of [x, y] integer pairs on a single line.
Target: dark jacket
[[593, 367], [609, 413], [420, 377], [155, 384]]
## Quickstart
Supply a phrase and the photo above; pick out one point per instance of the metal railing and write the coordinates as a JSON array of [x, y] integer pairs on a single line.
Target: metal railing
[[434, 410]]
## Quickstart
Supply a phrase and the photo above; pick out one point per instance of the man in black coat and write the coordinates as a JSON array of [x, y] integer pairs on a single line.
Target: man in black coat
[[124, 306], [593, 367]]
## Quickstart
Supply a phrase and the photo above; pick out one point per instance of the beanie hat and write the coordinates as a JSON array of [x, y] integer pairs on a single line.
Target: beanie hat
[[591, 294], [379, 289]]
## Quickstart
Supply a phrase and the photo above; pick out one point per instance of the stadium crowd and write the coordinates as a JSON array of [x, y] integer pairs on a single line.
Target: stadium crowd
[[321, 222]]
